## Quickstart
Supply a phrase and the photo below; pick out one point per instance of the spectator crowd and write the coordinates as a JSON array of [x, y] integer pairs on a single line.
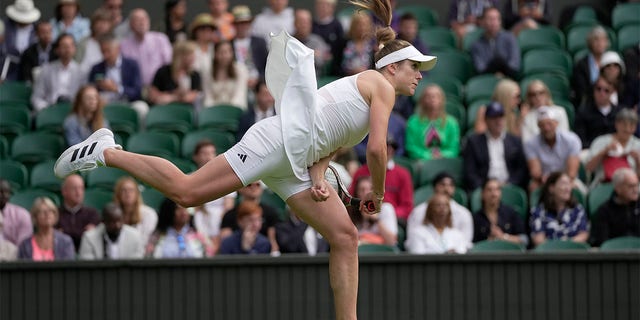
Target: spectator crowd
[[513, 138]]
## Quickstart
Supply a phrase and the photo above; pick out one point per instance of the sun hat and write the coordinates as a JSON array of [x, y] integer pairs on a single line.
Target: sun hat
[[23, 11], [241, 13], [202, 20]]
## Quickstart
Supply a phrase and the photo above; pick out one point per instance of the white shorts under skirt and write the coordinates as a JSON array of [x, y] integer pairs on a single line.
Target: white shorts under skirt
[[260, 155]]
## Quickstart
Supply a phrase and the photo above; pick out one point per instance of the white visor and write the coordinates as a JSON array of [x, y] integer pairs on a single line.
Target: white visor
[[411, 53]]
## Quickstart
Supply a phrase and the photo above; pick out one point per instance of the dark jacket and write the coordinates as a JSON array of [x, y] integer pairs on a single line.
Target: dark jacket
[[10, 31], [290, 237], [508, 221], [581, 81], [476, 161], [30, 60], [131, 78], [591, 123], [615, 220], [62, 247]]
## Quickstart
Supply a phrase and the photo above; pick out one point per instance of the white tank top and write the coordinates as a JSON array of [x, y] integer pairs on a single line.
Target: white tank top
[[342, 118]]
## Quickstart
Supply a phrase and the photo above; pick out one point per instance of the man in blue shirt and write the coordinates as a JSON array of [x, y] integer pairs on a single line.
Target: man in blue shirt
[[497, 51]]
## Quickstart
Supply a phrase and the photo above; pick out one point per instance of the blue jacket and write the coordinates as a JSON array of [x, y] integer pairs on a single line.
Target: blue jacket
[[233, 244], [63, 248], [131, 78]]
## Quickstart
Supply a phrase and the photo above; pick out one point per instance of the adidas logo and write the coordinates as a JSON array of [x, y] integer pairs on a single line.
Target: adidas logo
[[84, 150], [242, 157]]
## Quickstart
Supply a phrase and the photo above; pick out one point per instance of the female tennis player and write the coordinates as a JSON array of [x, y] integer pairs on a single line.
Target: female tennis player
[[291, 151]]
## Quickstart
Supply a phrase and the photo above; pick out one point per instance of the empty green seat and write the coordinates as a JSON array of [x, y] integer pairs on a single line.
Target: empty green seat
[[599, 195], [177, 118], [161, 144], [36, 147], [625, 14], [472, 111], [25, 198], [431, 168], [547, 60], [453, 63], [123, 119], [97, 198], [569, 109], [369, 248], [409, 164], [104, 177], [220, 117], [15, 173], [562, 245], [438, 38], [480, 87], [51, 118], [426, 16], [222, 141], [15, 91], [543, 37], [584, 14], [451, 86], [621, 243], [495, 246], [185, 165], [42, 177], [457, 110], [628, 36], [14, 121]]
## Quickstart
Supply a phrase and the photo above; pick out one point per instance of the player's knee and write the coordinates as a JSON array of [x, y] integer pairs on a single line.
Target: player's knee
[[344, 237]]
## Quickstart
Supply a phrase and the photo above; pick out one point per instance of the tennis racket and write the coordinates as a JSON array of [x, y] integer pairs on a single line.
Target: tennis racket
[[333, 178]]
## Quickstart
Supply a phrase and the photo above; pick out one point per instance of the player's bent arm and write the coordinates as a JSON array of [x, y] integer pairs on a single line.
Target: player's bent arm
[[318, 169], [382, 98]]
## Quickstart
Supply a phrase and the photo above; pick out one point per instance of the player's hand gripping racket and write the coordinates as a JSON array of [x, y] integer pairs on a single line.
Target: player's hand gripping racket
[[333, 178]]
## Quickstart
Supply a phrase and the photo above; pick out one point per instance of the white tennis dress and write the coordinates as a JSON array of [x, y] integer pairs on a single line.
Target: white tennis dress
[[309, 125]]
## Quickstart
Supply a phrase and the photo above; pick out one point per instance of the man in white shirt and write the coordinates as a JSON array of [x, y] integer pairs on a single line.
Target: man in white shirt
[[460, 216], [59, 80], [276, 17]]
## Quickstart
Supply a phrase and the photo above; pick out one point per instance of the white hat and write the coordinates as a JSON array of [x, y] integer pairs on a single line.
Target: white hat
[[611, 57], [547, 113], [23, 11], [411, 53]]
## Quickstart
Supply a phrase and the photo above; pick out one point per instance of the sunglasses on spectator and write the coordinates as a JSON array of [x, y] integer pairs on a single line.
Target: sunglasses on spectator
[[537, 93], [603, 89]]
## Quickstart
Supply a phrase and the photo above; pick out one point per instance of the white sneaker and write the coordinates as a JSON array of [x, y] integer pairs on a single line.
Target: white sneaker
[[86, 155]]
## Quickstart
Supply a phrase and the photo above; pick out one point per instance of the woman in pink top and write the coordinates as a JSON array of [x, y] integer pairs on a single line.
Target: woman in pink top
[[46, 244]]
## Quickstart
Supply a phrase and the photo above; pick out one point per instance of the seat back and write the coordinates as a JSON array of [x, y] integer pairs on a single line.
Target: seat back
[[431, 168], [453, 63], [624, 14], [221, 117], [97, 198], [495, 246], [628, 36], [177, 118], [51, 119], [36, 147], [123, 119], [621, 243], [15, 91], [25, 198], [14, 121], [599, 195], [104, 178], [438, 38], [543, 37], [42, 177], [426, 16], [547, 60], [222, 140], [369, 248], [480, 87], [562, 245], [161, 144], [15, 173]]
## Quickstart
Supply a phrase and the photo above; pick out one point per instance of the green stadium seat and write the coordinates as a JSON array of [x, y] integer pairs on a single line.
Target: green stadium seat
[[584, 14], [4, 147], [97, 198], [221, 117], [480, 87], [104, 178], [15, 173], [323, 80], [376, 248], [569, 109], [625, 14], [513, 196], [597, 196], [424, 193], [31, 148], [176, 118], [435, 166], [547, 60], [543, 37], [152, 197], [222, 140], [25, 198], [452, 63], [161, 144], [185, 165], [15, 91], [628, 36], [123, 119], [438, 38], [470, 38], [273, 200], [457, 110], [42, 177], [621, 243], [451, 86], [561, 245], [426, 16], [472, 111], [51, 119], [14, 121], [409, 164], [495, 246]]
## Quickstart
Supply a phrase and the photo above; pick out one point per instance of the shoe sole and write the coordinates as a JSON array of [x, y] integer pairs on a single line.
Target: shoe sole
[[94, 136]]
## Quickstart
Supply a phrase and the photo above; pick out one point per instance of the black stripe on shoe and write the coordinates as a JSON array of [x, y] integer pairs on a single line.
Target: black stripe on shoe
[[93, 146], [75, 154], [83, 151]]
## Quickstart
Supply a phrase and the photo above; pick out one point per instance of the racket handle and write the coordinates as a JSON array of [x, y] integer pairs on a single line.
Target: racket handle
[[371, 207]]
